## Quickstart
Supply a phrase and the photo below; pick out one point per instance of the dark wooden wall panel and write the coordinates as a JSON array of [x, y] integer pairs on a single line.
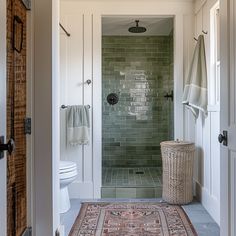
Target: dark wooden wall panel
[[16, 88]]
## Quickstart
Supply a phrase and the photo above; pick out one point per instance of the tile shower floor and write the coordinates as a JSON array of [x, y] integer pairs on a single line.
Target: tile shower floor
[[138, 182], [132, 177]]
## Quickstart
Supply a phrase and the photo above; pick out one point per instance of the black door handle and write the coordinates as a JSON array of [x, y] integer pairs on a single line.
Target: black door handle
[[223, 138], [9, 146]]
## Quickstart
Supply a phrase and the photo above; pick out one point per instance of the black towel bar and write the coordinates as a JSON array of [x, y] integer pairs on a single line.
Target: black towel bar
[[64, 106]]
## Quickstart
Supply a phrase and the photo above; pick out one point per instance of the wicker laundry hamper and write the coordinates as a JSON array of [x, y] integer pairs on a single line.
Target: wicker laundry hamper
[[177, 162]]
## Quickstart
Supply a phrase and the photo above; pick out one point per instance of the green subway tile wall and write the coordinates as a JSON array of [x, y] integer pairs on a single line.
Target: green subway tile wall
[[140, 70]]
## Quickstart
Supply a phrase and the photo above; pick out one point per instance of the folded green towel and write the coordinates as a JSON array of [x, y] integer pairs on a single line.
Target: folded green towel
[[78, 125], [195, 92]]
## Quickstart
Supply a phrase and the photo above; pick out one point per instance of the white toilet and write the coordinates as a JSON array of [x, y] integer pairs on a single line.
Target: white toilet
[[68, 173]]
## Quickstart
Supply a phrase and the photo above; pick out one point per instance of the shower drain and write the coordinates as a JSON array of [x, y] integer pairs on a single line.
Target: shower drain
[[139, 172]]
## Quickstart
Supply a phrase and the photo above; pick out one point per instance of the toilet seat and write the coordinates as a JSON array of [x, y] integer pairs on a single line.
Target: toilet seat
[[68, 169], [67, 165]]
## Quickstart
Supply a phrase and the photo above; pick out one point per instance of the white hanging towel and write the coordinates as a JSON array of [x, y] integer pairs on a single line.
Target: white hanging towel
[[195, 90], [78, 125]]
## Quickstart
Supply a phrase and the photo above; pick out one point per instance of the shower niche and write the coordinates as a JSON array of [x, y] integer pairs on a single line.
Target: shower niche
[[138, 64]]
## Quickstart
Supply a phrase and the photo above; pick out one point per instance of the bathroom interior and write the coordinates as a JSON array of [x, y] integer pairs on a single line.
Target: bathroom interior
[[137, 108], [127, 71]]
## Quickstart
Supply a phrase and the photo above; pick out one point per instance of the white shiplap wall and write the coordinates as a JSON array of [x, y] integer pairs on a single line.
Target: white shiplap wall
[[81, 60], [207, 162]]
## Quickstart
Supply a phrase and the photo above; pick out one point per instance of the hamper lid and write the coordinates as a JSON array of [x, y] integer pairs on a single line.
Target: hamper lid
[[176, 143]]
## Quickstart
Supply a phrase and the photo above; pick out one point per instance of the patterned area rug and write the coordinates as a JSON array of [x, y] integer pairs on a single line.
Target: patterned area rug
[[132, 219]]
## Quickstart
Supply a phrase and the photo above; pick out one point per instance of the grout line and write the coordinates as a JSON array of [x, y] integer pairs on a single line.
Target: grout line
[[115, 177]]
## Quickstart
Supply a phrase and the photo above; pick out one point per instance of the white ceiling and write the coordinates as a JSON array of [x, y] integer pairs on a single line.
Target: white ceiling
[[119, 25]]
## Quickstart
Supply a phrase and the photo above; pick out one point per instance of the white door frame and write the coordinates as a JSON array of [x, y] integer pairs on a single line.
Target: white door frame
[[46, 128], [3, 115], [224, 205], [228, 120], [97, 88]]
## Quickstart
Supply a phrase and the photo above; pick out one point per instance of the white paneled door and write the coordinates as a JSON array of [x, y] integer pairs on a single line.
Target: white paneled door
[[228, 117], [3, 181]]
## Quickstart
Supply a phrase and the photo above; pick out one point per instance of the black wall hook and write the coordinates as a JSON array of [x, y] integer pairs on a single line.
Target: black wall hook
[[66, 32]]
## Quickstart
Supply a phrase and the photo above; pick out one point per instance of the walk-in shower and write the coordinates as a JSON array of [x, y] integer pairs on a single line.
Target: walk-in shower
[[137, 108]]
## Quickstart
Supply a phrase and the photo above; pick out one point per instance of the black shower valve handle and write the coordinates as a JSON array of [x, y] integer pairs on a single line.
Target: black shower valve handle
[[169, 95], [112, 98]]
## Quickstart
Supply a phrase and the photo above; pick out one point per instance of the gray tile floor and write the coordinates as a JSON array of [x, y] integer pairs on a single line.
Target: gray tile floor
[[202, 221], [131, 177]]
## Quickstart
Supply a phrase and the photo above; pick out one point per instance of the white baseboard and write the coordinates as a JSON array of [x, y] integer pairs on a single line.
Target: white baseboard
[[210, 203], [82, 190]]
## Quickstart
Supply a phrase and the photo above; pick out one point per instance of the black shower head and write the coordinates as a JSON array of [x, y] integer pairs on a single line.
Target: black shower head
[[137, 28]]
